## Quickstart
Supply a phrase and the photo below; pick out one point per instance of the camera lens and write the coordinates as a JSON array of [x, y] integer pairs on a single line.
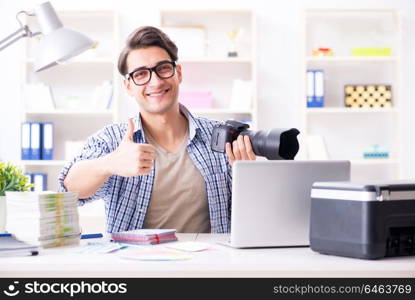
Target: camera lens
[[274, 144]]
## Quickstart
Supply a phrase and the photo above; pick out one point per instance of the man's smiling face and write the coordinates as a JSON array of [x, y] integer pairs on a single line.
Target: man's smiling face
[[158, 96]]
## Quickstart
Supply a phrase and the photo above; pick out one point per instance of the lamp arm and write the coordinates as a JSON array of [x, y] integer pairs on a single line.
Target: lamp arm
[[23, 31], [12, 38]]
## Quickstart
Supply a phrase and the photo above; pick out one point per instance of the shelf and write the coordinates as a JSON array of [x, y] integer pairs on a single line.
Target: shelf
[[220, 111], [351, 59], [57, 163], [351, 10], [347, 131], [224, 60], [218, 69], [77, 111], [346, 110], [70, 112], [80, 61]]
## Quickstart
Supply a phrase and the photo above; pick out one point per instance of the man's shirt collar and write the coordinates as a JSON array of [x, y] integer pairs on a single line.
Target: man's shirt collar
[[194, 127]]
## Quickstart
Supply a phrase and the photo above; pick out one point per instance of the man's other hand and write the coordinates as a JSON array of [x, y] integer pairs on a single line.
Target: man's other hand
[[241, 149]]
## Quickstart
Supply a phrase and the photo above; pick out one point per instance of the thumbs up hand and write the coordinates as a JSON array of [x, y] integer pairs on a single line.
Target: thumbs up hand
[[131, 159]]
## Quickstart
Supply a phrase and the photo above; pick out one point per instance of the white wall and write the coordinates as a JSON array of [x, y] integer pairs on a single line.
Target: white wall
[[278, 56]]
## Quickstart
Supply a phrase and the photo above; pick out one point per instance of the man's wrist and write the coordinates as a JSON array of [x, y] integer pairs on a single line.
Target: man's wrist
[[105, 165]]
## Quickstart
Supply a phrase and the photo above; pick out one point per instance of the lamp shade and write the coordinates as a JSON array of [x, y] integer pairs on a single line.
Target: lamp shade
[[58, 43]]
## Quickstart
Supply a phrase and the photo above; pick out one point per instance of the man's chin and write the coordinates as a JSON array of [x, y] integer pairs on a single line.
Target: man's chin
[[158, 109]]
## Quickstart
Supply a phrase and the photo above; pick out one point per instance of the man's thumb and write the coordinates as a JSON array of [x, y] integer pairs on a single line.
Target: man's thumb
[[130, 130]]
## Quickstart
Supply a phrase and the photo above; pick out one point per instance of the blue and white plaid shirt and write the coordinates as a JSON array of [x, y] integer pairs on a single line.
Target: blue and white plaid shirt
[[127, 198]]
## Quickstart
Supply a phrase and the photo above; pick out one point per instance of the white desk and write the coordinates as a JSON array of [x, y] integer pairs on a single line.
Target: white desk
[[218, 261]]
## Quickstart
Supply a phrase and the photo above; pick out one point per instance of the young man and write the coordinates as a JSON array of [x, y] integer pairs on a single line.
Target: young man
[[157, 171]]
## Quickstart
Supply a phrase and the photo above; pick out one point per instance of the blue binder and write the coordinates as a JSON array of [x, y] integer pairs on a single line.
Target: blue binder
[[319, 88], [310, 87], [315, 88], [29, 179], [40, 181], [25, 141], [35, 140], [47, 140]]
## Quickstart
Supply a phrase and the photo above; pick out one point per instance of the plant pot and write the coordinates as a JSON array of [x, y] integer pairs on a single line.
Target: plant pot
[[3, 209]]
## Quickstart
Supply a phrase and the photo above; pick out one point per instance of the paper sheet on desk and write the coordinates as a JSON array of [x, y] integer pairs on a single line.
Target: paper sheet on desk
[[154, 254], [98, 248], [189, 246]]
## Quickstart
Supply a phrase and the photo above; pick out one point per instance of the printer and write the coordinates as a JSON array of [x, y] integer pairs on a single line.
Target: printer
[[368, 220]]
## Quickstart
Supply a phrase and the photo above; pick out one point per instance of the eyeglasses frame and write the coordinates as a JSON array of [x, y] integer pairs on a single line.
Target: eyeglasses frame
[[128, 76]]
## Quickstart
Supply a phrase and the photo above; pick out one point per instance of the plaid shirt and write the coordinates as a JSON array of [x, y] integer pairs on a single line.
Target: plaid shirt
[[127, 198]]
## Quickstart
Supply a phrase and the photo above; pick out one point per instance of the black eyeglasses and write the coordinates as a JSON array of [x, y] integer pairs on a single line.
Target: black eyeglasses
[[141, 76]]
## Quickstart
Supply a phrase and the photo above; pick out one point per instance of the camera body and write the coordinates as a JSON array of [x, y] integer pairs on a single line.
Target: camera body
[[275, 144], [226, 132]]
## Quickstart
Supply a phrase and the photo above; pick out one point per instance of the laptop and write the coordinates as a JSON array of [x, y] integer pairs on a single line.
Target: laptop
[[271, 200]]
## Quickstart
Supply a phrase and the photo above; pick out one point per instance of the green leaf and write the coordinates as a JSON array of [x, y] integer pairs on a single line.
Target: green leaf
[[12, 179]]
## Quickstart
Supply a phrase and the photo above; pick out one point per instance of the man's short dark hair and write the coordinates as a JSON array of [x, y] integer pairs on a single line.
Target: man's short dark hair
[[144, 37]]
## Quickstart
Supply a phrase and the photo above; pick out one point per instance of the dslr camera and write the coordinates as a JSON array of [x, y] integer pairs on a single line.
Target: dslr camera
[[274, 144]]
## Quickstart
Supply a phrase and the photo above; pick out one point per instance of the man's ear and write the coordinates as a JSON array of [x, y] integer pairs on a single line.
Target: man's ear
[[179, 73], [128, 87]]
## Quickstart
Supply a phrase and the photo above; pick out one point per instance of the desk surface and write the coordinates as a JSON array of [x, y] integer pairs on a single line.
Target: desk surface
[[217, 261]]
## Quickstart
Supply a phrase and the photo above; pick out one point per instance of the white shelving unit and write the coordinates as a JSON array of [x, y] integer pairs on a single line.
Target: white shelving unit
[[46, 163], [349, 132], [215, 71], [350, 59], [347, 110], [74, 116]]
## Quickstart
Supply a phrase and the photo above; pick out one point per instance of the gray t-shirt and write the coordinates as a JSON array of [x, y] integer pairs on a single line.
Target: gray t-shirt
[[178, 199]]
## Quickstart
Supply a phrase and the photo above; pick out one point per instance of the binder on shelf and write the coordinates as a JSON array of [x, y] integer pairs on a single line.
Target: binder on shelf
[[47, 139], [319, 87], [315, 88], [310, 87], [35, 140], [40, 182], [25, 141]]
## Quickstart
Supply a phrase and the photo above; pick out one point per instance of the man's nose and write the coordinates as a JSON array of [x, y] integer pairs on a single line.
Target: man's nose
[[155, 79]]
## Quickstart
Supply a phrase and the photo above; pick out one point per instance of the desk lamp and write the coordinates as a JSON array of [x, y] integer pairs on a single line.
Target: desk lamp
[[58, 43]]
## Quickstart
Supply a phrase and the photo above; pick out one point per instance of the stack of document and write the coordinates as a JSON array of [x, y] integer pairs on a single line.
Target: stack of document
[[145, 236], [10, 246], [47, 219]]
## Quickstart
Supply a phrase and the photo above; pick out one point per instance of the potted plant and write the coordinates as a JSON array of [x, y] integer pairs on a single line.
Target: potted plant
[[11, 179]]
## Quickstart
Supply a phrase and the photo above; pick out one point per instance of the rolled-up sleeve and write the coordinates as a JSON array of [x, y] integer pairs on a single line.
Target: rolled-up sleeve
[[97, 145]]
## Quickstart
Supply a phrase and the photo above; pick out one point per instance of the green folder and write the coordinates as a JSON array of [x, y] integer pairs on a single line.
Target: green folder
[[371, 51]]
